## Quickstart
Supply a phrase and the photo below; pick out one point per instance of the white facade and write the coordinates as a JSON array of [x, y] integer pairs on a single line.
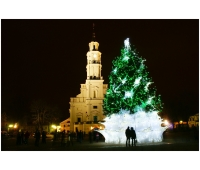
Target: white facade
[[86, 108]]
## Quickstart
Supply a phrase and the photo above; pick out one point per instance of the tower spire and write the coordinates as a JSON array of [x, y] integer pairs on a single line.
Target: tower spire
[[93, 34]]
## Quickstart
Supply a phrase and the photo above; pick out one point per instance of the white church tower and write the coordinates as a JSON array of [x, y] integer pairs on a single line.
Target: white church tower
[[86, 108]]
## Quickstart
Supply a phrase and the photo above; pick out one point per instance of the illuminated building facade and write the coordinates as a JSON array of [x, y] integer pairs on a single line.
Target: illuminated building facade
[[193, 121], [65, 125], [86, 108]]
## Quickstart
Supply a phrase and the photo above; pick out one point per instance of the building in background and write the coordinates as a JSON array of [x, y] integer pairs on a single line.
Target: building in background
[[194, 121], [65, 125], [180, 124]]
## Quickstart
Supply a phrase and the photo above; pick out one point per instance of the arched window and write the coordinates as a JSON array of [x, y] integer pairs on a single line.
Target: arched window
[[95, 94]]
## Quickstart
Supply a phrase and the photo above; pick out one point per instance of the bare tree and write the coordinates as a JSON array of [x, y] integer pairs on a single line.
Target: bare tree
[[39, 110], [44, 114], [3, 121]]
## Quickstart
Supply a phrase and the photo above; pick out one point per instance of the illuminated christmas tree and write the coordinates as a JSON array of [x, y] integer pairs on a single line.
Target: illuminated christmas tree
[[131, 101], [129, 85]]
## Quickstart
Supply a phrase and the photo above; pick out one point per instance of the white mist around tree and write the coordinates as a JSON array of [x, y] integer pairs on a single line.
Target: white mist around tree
[[147, 126]]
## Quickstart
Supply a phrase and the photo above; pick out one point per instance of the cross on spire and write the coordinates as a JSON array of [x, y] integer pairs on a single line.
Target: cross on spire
[[93, 35]]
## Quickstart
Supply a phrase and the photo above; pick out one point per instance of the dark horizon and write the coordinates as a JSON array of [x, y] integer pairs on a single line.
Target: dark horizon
[[46, 59]]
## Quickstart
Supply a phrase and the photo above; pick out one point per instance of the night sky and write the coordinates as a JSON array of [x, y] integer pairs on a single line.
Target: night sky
[[46, 59]]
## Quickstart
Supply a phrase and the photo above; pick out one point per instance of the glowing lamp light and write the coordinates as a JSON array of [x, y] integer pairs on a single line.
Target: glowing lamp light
[[181, 121], [10, 126], [15, 126], [58, 128], [95, 55], [54, 126], [166, 122]]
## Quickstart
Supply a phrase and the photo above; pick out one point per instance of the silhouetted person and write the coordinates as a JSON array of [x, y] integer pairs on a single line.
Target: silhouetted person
[[79, 136], [26, 136], [127, 132], [70, 138], [63, 138], [133, 136], [97, 137], [22, 137], [55, 137], [83, 134], [37, 137], [18, 138], [93, 136], [44, 137], [90, 136]]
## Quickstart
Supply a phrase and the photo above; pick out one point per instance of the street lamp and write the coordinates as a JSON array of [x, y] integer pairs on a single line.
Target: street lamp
[[10, 126], [166, 122], [53, 126], [15, 126]]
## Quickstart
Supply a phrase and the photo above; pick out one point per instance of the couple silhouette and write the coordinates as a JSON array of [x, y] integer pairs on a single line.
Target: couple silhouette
[[130, 134]]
